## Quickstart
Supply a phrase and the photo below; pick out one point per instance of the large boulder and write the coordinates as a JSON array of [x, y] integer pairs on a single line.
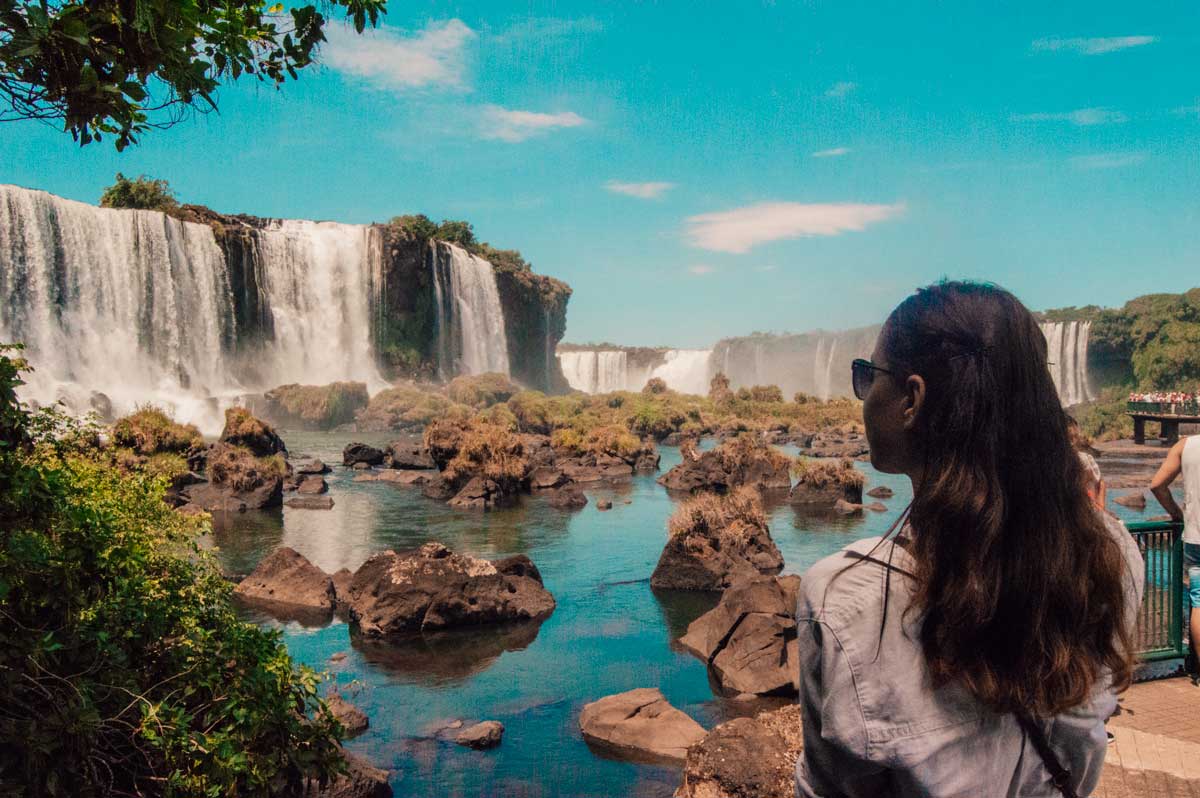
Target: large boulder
[[432, 588], [567, 498], [744, 460], [408, 454], [243, 429], [715, 542], [748, 640], [746, 758], [482, 735], [238, 481], [361, 780], [821, 484], [356, 453], [640, 724], [353, 719], [1134, 501], [286, 580], [481, 494], [312, 485]]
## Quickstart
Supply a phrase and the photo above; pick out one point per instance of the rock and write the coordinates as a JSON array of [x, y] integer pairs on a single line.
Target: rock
[[438, 487], [361, 466], [285, 578], [881, 492], [310, 502], [876, 507], [244, 430], [482, 735], [746, 758], [604, 504], [640, 723], [1136, 501], [647, 461], [821, 484], [596, 468], [715, 542], [101, 405], [432, 588], [356, 453], [403, 477], [339, 656], [408, 454], [312, 485], [566, 498], [547, 477], [353, 719], [341, 584], [313, 466], [226, 498], [745, 460], [480, 494], [838, 443], [749, 639], [361, 780], [843, 507]]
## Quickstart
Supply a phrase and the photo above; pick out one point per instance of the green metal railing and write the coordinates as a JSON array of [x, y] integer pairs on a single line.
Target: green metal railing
[[1160, 621], [1190, 407]]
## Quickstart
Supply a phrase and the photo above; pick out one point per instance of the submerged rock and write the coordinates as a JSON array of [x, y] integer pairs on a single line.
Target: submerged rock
[[312, 485], [746, 758], [310, 502], [482, 735], [715, 542], [566, 498], [404, 477], [640, 724], [286, 580], [749, 639], [356, 453], [353, 719], [361, 780], [881, 492], [433, 588]]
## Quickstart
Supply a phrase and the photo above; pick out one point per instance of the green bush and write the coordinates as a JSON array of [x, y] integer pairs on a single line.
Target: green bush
[[126, 668], [1105, 419], [142, 192], [418, 225], [149, 430], [456, 232]]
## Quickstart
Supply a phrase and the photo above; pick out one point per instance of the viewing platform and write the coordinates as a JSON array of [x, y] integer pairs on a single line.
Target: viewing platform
[[1169, 414]]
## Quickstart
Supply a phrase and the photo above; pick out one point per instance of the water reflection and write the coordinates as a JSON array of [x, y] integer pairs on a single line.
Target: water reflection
[[445, 658]]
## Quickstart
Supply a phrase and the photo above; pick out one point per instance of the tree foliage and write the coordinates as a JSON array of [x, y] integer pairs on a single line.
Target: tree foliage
[[143, 193], [124, 669], [119, 67]]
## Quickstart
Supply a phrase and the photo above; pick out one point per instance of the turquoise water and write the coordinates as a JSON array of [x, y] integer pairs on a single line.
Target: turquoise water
[[609, 633]]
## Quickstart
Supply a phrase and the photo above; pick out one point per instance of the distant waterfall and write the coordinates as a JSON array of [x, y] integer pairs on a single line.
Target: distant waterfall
[[1067, 347], [471, 336], [823, 368], [595, 372], [815, 363], [141, 307], [685, 370]]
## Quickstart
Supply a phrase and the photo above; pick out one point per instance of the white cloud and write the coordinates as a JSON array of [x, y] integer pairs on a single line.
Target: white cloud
[[1108, 160], [835, 152], [701, 269], [1095, 46], [841, 88], [432, 57], [740, 229], [512, 125], [652, 190], [1082, 117]]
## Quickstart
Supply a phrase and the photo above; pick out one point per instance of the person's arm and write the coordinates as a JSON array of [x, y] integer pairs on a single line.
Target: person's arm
[[1160, 486]]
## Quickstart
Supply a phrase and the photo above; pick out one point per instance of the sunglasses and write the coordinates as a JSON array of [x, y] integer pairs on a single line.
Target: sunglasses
[[862, 376]]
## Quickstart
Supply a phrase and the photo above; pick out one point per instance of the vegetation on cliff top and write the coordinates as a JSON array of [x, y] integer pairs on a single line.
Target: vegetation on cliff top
[[127, 669], [142, 193], [463, 234]]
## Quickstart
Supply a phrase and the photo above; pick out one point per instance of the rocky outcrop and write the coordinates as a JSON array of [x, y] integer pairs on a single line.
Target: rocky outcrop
[[481, 736], [356, 453], [1135, 501], [639, 724], [566, 498], [881, 492], [821, 484], [286, 581], [353, 719], [715, 542], [432, 588], [361, 780], [745, 460], [746, 758], [253, 434], [481, 494], [535, 319], [237, 481], [408, 454], [849, 442], [312, 485], [748, 640], [312, 407]]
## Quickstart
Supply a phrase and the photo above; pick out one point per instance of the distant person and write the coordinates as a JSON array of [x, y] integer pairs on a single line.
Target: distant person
[[979, 650], [1093, 481], [1184, 458]]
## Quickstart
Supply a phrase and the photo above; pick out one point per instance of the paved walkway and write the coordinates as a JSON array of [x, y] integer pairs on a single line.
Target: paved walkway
[[1156, 748]]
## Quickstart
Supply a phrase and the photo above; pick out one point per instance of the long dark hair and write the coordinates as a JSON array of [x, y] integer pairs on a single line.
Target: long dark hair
[[1019, 582]]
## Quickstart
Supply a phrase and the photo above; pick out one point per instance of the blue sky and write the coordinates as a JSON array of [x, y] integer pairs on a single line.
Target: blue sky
[[697, 170]]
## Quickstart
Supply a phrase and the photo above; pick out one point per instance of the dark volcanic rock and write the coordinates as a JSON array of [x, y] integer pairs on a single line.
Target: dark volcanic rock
[[226, 498], [285, 578], [356, 453], [749, 639], [596, 468], [480, 494], [604, 504], [410, 454], [482, 735], [822, 484], [839, 443], [546, 477], [746, 758], [640, 724], [566, 498], [439, 488], [433, 588], [310, 502], [243, 429]]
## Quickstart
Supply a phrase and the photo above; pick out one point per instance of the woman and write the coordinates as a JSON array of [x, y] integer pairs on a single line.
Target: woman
[[978, 650]]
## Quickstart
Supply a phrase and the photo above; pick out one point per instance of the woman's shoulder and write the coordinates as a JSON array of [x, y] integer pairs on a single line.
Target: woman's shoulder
[[846, 585]]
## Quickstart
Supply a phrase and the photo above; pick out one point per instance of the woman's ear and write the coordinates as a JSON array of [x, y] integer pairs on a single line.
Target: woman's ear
[[914, 400]]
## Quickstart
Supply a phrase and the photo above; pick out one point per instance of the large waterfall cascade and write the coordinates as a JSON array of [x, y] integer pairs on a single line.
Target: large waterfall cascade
[[1067, 349], [596, 371], [685, 370], [140, 307], [603, 371], [471, 334]]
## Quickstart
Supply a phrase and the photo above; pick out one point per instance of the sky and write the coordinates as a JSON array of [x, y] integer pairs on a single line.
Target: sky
[[702, 170]]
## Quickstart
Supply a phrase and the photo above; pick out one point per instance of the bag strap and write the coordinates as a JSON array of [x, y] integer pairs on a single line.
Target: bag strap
[[1059, 775]]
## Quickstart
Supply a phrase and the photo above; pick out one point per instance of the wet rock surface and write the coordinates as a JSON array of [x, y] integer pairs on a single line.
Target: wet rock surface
[[353, 719], [285, 579], [639, 724], [310, 502], [487, 734]]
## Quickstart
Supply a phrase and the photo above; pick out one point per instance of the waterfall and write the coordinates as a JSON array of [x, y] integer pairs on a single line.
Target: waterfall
[[141, 307], [595, 372], [685, 370], [1066, 353], [471, 336], [823, 368]]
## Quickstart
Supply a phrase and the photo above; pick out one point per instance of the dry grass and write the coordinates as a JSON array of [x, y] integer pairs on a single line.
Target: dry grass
[[481, 390], [320, 406], [242, 428], [149, 431], [477, 448], [746, 451], [409, 407], [733, 517], [238, 468], [823, 473]]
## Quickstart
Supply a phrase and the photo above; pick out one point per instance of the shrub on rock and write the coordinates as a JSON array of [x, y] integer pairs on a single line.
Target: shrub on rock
[[476, 448], [481, 390], [237, 480], [408, 408], [715, 542], [823, 483], [744, 460], [319, 407], [149, 430], [243, 429]]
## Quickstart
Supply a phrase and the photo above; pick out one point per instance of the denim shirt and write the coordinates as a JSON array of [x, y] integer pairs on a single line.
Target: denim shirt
[[875, 725]]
